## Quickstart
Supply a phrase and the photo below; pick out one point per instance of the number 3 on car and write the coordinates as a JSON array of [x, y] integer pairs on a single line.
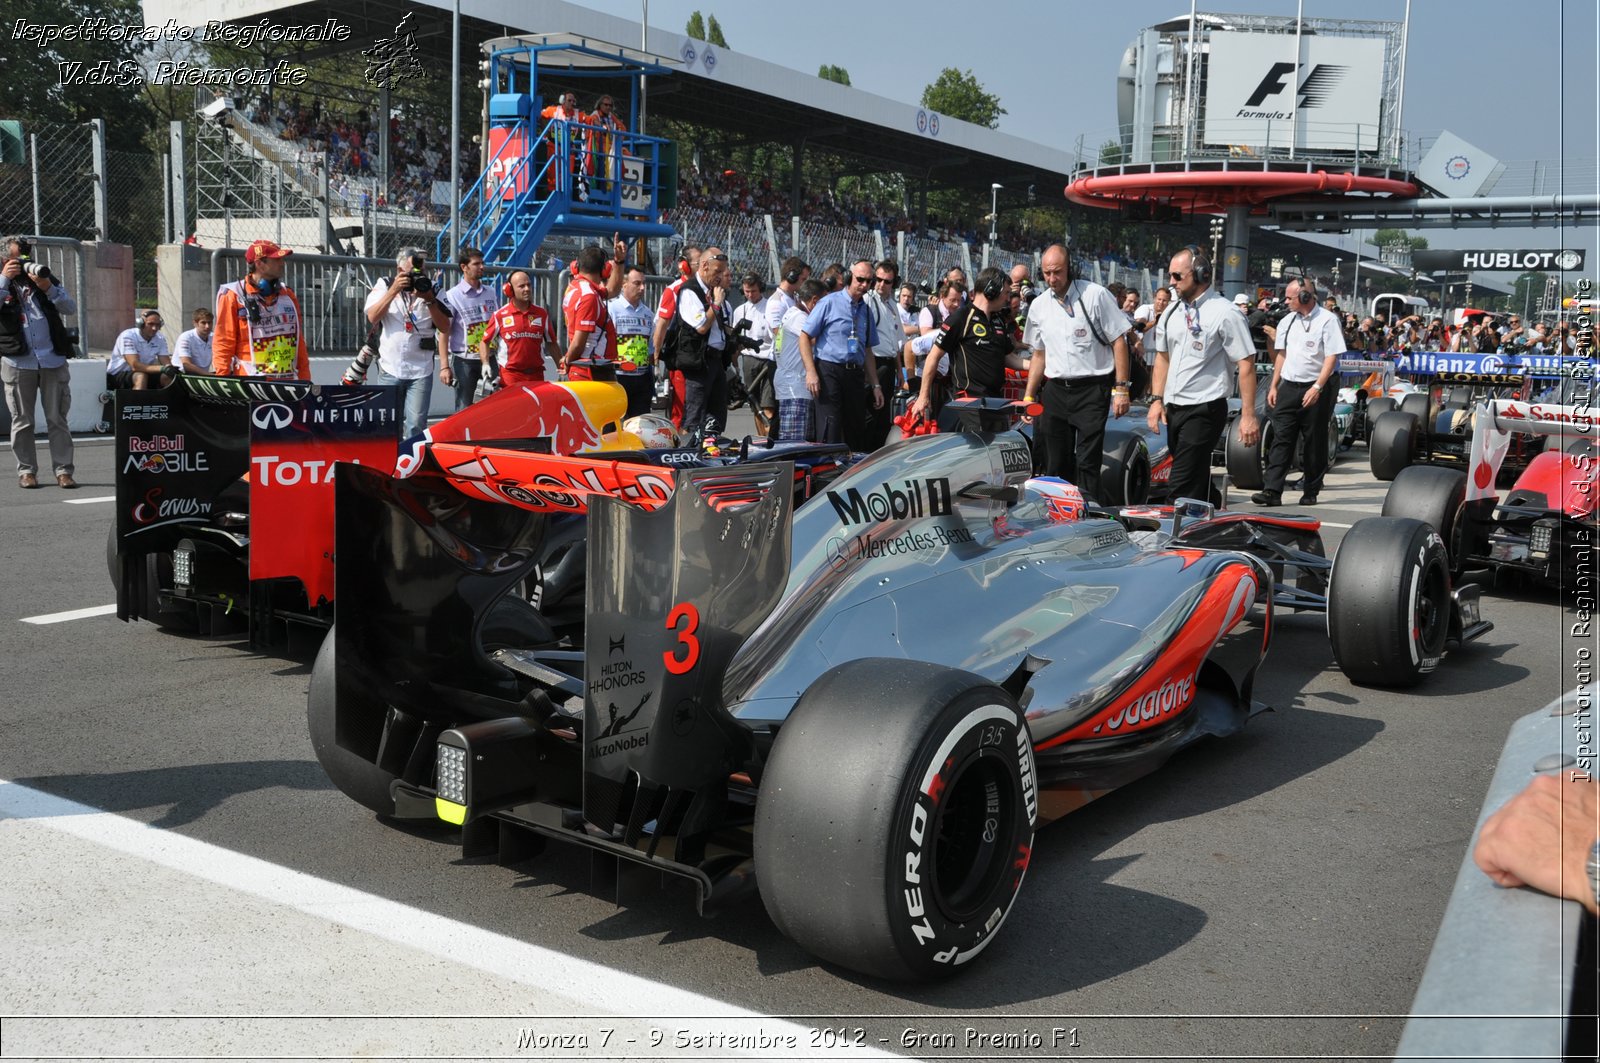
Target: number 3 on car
[[687, 641]]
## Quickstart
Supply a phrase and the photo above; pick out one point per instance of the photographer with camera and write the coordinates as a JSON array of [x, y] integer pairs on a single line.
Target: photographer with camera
[[258, 329], [752, 338], [410, 317], [34, 348]]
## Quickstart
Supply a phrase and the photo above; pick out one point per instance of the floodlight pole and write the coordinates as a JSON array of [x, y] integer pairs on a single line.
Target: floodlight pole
[[644, 46], [994, 212], [455, 126]]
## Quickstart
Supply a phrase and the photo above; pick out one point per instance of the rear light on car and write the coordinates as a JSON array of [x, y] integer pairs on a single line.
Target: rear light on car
[[450, 782], [1541, 539], [183, 565]]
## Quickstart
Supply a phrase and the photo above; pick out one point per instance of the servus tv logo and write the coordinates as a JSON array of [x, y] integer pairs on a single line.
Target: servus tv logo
[[910, 500]]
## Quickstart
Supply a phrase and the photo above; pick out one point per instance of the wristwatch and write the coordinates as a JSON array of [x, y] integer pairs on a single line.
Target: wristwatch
[[1124, 384]]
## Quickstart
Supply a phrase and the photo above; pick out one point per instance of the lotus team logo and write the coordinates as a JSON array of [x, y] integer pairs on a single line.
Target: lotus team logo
[[1458, 167]]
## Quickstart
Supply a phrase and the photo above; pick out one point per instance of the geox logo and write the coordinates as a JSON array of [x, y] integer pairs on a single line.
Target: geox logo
[[910, 500], [1314, 90]]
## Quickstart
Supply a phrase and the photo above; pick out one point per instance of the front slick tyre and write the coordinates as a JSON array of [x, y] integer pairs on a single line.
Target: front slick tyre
[[896, 816], [1389, 602]]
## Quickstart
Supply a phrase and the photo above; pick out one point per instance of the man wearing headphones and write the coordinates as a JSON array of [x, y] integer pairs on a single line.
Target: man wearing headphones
[[978, 339], [259, 329], [1079, 338], [515, 337], [1309, 343], [1195, 340]]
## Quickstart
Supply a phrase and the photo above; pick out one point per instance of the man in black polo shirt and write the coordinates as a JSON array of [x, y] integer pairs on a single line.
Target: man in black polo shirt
[[977, 338]]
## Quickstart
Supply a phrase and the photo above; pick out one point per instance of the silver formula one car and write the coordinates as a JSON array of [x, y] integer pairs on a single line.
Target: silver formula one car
[[867, 701]]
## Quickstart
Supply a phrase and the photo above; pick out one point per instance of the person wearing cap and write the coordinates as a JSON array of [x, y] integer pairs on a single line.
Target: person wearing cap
[[259, 329], [1242, 301]]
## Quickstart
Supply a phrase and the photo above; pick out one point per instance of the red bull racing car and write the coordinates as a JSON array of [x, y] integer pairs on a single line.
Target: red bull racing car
[[868, 698], [225, 484]]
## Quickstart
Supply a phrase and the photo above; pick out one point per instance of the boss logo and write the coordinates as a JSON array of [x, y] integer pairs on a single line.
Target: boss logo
[[1016, 459]]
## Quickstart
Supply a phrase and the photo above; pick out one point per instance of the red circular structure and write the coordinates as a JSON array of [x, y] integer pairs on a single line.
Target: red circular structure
[[1211, 190]]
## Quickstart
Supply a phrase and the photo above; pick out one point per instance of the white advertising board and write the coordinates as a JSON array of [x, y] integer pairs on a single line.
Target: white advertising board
[[1257, 97]]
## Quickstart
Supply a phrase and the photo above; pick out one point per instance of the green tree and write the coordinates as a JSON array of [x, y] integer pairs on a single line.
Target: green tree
[[696, 27], [962, 96], [714, 33], [829, 72], [1111, 153], [34, 93]]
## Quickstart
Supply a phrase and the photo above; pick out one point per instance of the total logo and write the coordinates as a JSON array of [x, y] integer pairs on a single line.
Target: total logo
[[272, 471], [912, 499]]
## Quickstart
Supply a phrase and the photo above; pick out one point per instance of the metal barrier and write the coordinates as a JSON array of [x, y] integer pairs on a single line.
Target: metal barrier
[[1501, 980], [332, 290]]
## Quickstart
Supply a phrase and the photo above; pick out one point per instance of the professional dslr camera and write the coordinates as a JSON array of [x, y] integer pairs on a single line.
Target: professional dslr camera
[[742, 342], [420, 282], [38, 271]]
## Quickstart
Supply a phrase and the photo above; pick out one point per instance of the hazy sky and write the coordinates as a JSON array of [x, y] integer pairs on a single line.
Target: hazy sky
[[1516, 79]]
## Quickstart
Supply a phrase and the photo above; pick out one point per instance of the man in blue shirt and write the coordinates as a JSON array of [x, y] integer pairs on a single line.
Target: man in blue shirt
[[836, 345], [34, 347]]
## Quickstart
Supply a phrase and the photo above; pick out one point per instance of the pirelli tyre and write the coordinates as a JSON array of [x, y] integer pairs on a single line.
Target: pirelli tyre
[[157, 577], [359, 779], [1392, 444], [1125, 474], [1376, 408], [1247, 466], [1416, 404], [1381, 637], [1438, 498], [896, 816]]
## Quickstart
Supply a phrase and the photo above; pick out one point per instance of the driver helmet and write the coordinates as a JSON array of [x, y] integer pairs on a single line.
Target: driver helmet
[[653, 429], [1063, 502]]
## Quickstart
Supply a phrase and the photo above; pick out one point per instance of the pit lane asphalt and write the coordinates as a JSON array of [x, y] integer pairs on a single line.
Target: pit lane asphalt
[[1299, 869]]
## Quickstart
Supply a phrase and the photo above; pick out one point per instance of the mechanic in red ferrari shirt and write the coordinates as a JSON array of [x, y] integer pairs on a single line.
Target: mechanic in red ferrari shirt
[[591, 334], [688, 266], [514, 338]]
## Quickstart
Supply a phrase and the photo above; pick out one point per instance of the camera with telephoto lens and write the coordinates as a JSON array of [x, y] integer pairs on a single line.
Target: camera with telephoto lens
[[36, 270], [419, 279], [742, 342]]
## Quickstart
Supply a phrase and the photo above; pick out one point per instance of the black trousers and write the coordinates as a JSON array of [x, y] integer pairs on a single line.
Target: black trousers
[[1192, 433], [842, 404], [1289, 420], [1073, 429], [878, 420], [705, 396]]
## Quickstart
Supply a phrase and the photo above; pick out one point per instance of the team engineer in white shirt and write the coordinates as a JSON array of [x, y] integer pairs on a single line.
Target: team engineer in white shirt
[[1194, 343], [1301, 396]]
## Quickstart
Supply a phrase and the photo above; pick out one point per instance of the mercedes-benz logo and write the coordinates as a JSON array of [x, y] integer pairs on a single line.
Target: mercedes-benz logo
[[272, 415]]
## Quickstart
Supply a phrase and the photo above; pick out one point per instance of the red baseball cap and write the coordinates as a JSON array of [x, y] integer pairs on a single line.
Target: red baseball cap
[[265, 249]]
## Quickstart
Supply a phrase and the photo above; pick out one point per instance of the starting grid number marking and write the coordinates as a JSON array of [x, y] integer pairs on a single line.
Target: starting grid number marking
[[71, 614]]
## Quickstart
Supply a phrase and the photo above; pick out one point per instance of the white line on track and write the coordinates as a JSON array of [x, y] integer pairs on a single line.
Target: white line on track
[[71, 614], [89, 501], [1334, 524], [588, 987]]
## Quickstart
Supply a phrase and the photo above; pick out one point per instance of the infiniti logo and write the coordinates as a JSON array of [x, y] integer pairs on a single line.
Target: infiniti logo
[[272, 415]]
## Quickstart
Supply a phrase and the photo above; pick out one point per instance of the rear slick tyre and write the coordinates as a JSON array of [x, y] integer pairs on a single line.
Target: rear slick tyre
[[1438, 498], [1246, 467], [896, 816], [358, 779], [1392, 444], [1380, 637]]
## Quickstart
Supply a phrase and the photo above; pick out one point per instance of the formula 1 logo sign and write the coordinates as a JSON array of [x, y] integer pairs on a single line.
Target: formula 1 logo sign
[[1256, 87], [508, 151], [1314, 89]]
